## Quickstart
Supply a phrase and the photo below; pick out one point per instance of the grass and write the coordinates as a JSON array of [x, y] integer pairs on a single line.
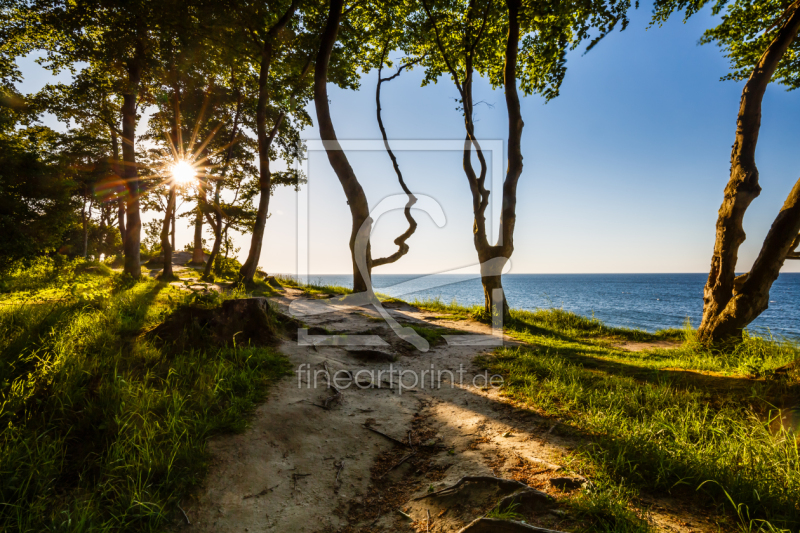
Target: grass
[[105, 430], [454, 310], [685, 421], [509, 513], [313, 289], [102, 428]]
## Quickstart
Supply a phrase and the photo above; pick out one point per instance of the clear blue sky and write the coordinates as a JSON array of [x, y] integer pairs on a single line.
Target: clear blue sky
[[624, 172]]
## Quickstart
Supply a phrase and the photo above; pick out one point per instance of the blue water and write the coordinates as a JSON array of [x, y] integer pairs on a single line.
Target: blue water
[[646, 301]]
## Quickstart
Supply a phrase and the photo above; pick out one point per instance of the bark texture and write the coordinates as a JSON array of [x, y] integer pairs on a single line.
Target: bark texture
[[356, 199], [118, 172], [731, 302], [133, 226], [265, 139]]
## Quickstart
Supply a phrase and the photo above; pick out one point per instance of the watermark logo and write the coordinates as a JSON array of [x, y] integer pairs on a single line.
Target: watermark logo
[[425, 204], [394, 378]]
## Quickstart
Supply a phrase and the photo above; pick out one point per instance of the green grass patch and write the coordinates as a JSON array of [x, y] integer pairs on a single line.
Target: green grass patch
[[686, 421], [453, 310], [313, 289], [104, 429]]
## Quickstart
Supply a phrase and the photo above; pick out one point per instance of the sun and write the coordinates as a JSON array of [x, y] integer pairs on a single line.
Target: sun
[[183, 173]]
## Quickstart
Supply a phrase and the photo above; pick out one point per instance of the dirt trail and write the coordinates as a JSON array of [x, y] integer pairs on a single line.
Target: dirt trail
[[308, 463]]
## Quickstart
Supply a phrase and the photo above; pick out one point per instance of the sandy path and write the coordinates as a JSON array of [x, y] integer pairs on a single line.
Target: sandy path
[[301, 467]]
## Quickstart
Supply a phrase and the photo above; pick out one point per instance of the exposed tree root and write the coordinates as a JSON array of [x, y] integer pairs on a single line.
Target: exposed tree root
[[508, 483]]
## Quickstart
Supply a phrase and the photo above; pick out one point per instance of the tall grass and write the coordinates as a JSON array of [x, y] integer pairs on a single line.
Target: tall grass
[[650, 424], [102, 429]]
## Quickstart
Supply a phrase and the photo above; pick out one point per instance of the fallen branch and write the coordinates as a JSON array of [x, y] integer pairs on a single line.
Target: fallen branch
[[401, 443], [476, 479]]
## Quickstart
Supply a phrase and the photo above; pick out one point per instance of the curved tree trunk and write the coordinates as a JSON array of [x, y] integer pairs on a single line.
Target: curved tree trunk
[[492, 257], [402, 246], [133, 228], [356, 199], [250, 266], [731, 302]]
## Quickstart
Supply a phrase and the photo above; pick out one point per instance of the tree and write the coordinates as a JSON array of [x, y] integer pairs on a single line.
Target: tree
[[90, 101], [369, 35], [465, 38], [36, 206], [122, 41], [760, 38], [269, 30]]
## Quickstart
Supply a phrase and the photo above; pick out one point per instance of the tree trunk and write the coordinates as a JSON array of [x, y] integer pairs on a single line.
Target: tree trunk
[[402, 246], [121, 221], [166, 246], [750, 295], [217, 232], [198, 256], [133, 228], [172, 231], [217, 224], [492, 257], [356, 199], [85, 229], [249, 267], [731, 302], [118, 173]]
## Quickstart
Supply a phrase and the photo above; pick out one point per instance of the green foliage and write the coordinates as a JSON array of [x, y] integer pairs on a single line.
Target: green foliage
[[102, 428], [36, 209], [151, 244], [457, 36], [747, 28]]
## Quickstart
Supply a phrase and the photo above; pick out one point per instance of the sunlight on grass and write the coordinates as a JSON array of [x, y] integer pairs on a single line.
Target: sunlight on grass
[[652, 425], [103, 429]]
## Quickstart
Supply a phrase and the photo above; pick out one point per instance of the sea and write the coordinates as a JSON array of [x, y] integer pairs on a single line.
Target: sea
[[644, 301]]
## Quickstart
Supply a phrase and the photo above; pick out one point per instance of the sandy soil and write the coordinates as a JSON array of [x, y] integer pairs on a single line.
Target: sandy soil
[[318, 459]]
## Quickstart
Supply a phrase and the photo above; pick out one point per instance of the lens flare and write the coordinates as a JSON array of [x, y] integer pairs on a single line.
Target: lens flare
[[183, 173]]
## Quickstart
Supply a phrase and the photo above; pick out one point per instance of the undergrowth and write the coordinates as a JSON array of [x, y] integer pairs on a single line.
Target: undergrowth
[[102, 428], [649, 423]]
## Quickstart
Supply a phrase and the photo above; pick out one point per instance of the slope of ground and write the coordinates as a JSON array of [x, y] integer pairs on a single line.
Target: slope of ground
[[357, 458]]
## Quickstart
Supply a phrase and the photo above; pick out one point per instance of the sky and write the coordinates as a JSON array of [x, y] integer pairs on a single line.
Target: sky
[[623, 172]]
